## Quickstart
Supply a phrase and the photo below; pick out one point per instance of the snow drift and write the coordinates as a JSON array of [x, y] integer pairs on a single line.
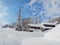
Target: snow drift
[[12, 37], [53, 34], [35, 41], [51, 38]]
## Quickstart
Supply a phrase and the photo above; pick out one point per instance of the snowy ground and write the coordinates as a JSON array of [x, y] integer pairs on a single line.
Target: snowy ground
[[12, 37], [51, 38]]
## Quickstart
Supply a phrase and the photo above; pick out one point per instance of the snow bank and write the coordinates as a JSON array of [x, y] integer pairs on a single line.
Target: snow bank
[[51, 38], [53, 34], [35, 41], [12, 37]]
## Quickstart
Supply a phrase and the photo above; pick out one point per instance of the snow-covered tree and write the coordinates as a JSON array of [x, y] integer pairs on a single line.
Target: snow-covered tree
[[55, 19]]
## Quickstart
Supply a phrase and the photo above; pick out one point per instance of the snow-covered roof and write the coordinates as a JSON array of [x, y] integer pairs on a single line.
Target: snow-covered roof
[[41, 25], [37, 25], [50, 23]]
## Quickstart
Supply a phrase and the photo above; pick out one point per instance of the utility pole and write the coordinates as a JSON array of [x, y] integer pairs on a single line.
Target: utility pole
[[19, 22]]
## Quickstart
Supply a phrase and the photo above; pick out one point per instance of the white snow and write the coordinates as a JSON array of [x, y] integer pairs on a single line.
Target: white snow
[[54, 34], [42, 26], [51, 38], [12, 37], [34, 41], [37, 25]]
